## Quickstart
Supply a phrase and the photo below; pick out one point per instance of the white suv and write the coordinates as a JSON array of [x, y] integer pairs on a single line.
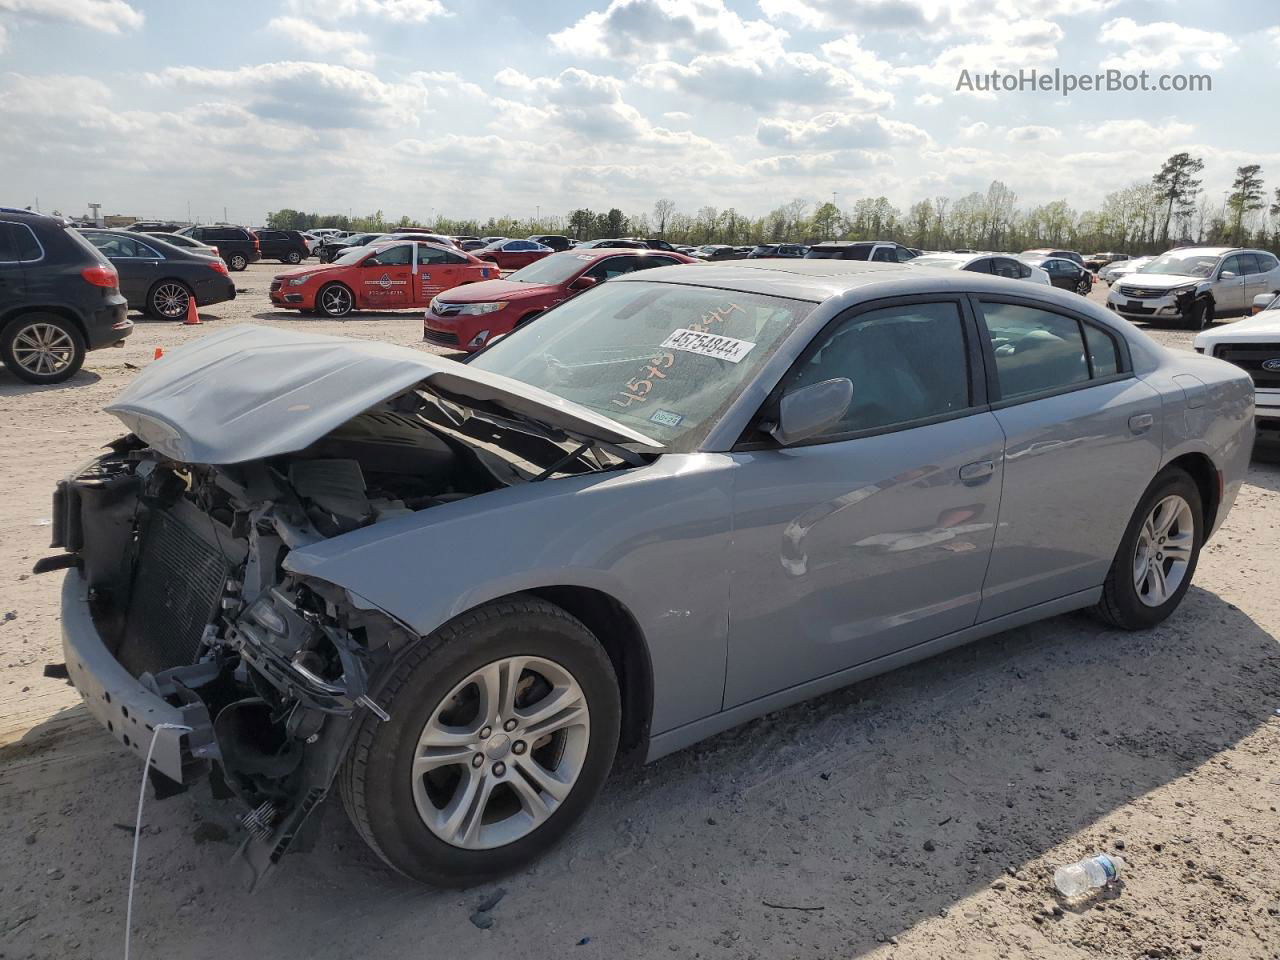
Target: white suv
[[1195, 284], [1253, 344]]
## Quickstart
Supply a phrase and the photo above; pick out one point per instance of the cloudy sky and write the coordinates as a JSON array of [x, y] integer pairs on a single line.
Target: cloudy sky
[[504, 107]]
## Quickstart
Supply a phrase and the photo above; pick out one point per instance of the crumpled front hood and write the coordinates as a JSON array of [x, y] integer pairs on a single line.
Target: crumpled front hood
[[252, 392]]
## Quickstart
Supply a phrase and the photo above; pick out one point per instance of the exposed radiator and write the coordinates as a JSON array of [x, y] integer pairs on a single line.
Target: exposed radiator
[[176, 590]]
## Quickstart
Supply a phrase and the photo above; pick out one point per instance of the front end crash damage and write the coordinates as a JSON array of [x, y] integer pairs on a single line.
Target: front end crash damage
[[197, 623], [179, 606]]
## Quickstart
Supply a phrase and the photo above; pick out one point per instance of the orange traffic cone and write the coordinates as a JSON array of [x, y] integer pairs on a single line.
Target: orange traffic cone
[[159, 353], [193, 318]]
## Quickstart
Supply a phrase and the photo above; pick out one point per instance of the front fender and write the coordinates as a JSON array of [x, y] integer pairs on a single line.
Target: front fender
[[654, 538]]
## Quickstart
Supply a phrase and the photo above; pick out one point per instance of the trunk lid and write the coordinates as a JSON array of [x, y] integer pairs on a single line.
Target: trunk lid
[[252, 392]]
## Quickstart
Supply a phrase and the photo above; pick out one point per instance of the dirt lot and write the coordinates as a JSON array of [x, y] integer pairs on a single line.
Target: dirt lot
[[916, 815]]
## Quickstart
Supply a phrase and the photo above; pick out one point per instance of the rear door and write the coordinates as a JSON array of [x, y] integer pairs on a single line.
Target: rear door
[[437, 270], [13, 284], [1083, 440], [1255, 278], [272, 244], [386, 279], [136, 263]]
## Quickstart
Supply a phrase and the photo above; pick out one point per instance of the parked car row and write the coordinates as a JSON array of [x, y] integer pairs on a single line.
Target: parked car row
[[1192, 286], [161, 278]]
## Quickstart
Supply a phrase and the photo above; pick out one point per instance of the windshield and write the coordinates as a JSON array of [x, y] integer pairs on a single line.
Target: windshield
[[556, 268], [353, 255], [838, 253], [663, 359], [1182, 264], [949, 262]]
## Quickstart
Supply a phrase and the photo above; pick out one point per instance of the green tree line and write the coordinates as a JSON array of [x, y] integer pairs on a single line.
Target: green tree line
[[1148, 216]]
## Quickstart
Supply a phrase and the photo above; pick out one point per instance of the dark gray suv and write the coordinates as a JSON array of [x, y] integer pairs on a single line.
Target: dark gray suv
[[59, 298]]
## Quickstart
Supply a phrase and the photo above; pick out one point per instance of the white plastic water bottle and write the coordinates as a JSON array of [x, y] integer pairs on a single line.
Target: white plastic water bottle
[[1090, 873]]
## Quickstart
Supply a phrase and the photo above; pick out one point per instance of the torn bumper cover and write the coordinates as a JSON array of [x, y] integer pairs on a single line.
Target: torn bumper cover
[[128, 707]]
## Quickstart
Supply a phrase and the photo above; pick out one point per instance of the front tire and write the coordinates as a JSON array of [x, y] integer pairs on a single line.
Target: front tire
[[1200, 316], [1157, 558], [237, 262], [504, 725], [42, 348], [335, 300]]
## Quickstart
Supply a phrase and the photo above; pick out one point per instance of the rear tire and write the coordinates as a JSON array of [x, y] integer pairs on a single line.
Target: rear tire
[[423, 820], [237, 262], [168, 300], [293, 257], [1165, 532], [42, 348]]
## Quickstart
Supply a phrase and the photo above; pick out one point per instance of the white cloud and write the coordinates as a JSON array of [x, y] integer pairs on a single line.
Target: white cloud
[[109, 16], [839, 131], [677, 116], [648, 30], [347, 46], [1012, 46], [976, 131], [1033, 134], [928, 18], [789, 78], [1162, 46], [1139, 131], [849, 53], [397, 11], [319, 95], [927, 100], [1274, 35]]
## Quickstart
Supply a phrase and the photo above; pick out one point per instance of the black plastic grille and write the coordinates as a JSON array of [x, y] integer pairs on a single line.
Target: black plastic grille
[[440, 337], [1252, 357], [176, 590]]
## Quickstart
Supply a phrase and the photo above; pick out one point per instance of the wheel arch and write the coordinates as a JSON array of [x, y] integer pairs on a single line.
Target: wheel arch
[[1207, 478], [66, 313]]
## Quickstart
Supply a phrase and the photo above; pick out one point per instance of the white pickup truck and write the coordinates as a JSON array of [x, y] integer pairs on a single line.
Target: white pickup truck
[[1253, 344]]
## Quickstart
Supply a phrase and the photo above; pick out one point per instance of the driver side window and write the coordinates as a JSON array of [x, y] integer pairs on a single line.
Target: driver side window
[[907, 363], [394, 257], [1231, 265]]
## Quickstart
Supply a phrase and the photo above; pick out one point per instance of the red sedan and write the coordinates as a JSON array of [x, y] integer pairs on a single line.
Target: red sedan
[[514, 254], [392, 275], [468, 319]]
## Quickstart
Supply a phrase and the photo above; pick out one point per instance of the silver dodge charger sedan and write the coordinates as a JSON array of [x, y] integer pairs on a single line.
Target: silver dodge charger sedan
[[691, 495]]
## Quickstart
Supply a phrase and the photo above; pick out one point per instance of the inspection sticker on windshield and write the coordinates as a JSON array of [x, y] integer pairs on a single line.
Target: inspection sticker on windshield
[[708, 344], [666, 418]]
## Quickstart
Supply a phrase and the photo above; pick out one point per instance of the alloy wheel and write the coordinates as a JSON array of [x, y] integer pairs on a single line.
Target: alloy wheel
[[170, 300], [1163, 552], [501, 753], [336, 301], [43, 349]]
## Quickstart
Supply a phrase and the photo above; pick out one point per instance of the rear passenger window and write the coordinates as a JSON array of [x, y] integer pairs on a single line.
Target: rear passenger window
[[1035, 350], [1104, 354], [8, 243], [27, 246], [1004, 267], [907, 363]]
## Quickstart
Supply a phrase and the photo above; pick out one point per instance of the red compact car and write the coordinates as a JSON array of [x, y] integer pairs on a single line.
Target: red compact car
[[468, 319], [391, 275], [514, 254]]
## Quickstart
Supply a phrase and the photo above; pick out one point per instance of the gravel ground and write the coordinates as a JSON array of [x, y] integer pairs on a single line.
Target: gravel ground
[[919, 814]]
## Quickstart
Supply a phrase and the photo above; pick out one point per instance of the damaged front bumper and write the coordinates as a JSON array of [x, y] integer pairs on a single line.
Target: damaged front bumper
[[129, 708]]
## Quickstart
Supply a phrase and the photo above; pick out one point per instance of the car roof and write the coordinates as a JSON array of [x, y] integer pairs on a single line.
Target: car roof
[[819, 280], [599, 253], [1205, 251]]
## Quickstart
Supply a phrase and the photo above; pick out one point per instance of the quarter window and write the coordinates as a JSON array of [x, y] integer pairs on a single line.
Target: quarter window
[[1104, 354], [906, 363], [1035, 350]]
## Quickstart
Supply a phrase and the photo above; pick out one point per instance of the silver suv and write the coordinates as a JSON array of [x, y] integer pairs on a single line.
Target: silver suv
[[1195, 285]]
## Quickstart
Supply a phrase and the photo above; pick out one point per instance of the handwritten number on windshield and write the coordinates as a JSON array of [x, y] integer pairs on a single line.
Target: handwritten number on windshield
[[637, 389]]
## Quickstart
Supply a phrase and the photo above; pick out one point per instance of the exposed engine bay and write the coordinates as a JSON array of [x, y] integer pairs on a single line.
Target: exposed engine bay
[[273, 671]]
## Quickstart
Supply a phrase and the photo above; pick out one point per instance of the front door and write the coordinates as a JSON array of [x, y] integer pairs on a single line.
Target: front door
[[387, 278], [136, 263], [1082, 442], [1229, 292], [874, 536]]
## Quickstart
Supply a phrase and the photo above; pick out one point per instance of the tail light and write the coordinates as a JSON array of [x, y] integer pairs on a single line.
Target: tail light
[[101, 276], [215, 251], [217, 266], [256, 245]]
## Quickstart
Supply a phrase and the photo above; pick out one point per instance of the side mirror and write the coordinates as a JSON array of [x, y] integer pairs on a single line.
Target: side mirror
[[1225, 275], [808, 411], [583, 283], [1262, 301]]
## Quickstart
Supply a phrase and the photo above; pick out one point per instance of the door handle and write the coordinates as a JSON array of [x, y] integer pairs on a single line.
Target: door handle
[[977, 471], [1141, 422]]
